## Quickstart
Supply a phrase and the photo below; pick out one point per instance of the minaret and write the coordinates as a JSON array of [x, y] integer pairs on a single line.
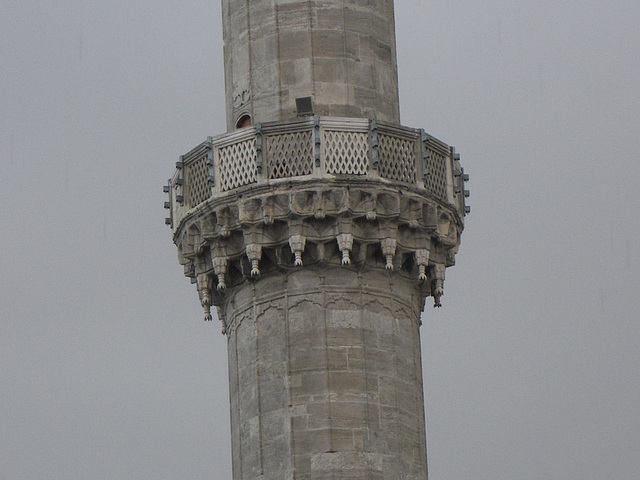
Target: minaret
[[317, 226]]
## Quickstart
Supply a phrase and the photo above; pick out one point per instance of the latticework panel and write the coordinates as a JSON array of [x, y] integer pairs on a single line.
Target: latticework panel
[[289, 154], [346, 152], [198, 189], [237, 165], [397, 158], [436, 181]]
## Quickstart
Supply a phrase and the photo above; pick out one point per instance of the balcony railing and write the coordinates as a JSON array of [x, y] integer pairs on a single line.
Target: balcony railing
[[314, 148]]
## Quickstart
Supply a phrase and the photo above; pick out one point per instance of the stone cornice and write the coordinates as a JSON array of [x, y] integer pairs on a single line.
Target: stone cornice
[[238, 237], [262, 201]]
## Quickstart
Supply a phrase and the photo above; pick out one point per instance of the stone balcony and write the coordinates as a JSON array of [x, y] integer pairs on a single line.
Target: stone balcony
[[359, 184], [313, 149]]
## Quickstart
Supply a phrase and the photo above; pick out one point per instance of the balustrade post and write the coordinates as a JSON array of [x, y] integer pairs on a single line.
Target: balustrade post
[[211, 179], [318, 167], [374, 157], [260, 173]]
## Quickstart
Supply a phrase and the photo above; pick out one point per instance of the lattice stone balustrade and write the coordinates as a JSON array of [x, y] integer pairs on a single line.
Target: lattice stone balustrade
[[343, 190]]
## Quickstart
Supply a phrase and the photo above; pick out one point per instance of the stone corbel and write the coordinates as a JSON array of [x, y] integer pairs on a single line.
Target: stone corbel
[[224, 221], [422, 259], [345, 244], [223, 320], [450, 258], [389, 251], [410, 212], [204, 283], [334, 201], [190, 269], [254, 253], [275, 206], [444, 222], [452, 240], [199, 247], [437, 287], [388, 204], [208, 226], [268, 210], [430, 216], [253, 240], [184, 249], [297, 244], [220, 269], [360, 202], [250, 210], [372, 214], [305, 202]]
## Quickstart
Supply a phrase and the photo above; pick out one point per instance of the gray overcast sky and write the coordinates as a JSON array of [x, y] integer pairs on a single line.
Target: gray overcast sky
[[531, 367]]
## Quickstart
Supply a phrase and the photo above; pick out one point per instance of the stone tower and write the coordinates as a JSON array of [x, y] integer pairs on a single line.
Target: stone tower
[[318, 225]]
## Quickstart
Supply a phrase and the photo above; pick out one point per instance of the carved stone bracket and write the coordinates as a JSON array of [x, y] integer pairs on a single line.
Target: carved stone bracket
[[223, 320], [345, 244], [422, 259], [297, 243], [389, 250], [254, 253], [204, 283], [438, 284], [220, 269], [373, 227]]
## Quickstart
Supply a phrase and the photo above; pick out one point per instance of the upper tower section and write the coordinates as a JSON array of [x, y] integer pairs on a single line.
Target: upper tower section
[[340, 54]]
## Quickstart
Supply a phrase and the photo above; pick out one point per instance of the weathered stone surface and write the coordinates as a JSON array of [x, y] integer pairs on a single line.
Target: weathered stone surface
[[319, 283], [322, 380], [318, 239], [338, 53]]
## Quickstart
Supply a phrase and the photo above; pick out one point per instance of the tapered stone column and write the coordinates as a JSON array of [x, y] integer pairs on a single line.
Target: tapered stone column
[[318, 226], [325, 375], [319, 283]]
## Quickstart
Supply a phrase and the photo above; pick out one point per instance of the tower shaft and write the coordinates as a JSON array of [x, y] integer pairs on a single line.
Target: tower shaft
[[340, 53], [325, 377], [318, 225]]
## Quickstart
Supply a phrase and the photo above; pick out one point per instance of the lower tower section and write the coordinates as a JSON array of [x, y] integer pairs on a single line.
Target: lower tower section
[[325, 376], [319, 240]]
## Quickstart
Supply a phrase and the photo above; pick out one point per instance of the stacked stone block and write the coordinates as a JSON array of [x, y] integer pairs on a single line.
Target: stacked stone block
[[340, 53], [319, 284], [325, 376]]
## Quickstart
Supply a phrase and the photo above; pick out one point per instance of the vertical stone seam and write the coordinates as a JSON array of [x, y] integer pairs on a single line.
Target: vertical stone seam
[[394, 52], [326, 359], [228, 64], [395, 372], [250, 69], [237, 402], [254, 312], [367, 449], [287, 318], [312, 44], [276, 18], [375, 78], [423, 426], [344, 58]]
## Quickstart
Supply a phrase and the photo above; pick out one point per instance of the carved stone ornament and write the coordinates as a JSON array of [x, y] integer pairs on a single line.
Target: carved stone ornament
[[204, 283], [336, 210], [241, 96], [297, 243], [250, 243], [254, 252], [389, 251], [345, 243]]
